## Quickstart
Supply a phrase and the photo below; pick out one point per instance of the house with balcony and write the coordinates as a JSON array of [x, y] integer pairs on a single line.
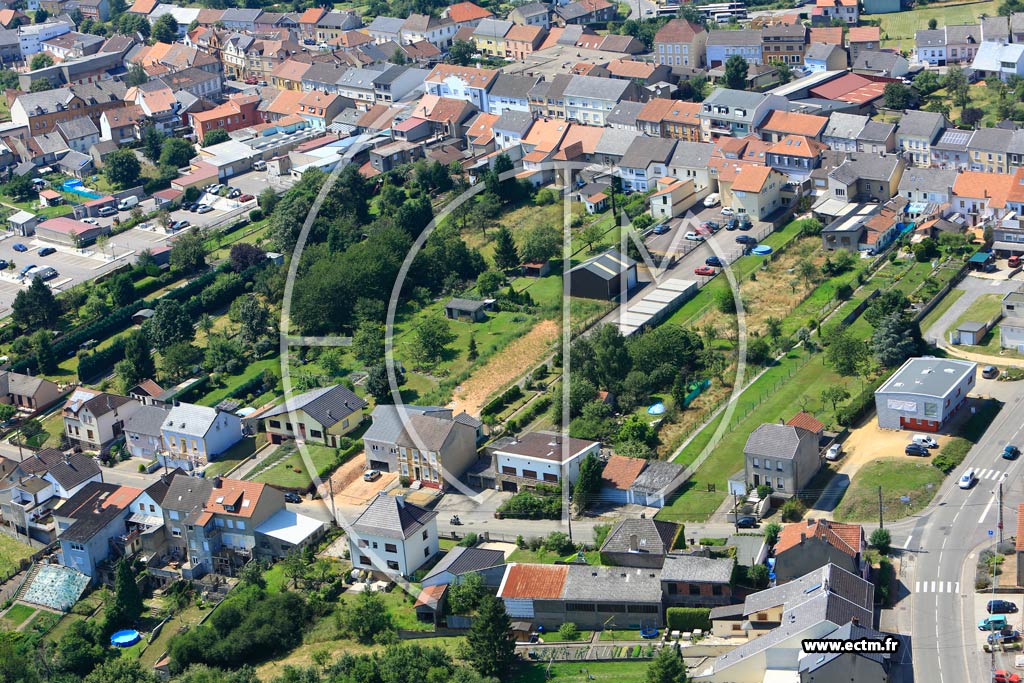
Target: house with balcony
[[321, 416], [436, 30], [950, 151], [461, 83], [644, 162], [93, 420], [143, 431], [35, 486], [999, 60], [90, 522], [589, 99], [916, 133], [795, 156], [828, 11], [538, 458], [392, 536], [784, 43], [736, 113], [195, 435], [981, 197]]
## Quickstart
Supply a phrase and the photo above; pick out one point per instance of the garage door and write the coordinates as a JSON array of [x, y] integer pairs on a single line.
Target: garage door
[[379, 465], [510, 486]]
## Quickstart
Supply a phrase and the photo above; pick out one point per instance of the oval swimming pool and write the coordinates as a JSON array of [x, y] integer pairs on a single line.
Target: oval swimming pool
[[125, 638]]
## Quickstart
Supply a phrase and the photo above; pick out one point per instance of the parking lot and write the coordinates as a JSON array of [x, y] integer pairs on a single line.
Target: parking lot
[[674, 245], [1004, 659]]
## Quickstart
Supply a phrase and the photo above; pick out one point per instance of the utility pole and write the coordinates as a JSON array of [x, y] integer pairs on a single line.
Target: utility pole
[[568, 515], [330, 487], [735, 511], [1000, 508], [881, 525]]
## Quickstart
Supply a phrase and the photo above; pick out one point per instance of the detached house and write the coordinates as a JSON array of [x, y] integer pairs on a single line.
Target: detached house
[[438, 31], [827, 11], [318, 416], [194, 435], [94, 419], [27, 393], [781, 456], [811, 544], [393, 536], [538, 457]]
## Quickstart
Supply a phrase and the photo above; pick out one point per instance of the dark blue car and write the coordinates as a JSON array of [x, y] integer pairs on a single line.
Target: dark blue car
[[713, 261]]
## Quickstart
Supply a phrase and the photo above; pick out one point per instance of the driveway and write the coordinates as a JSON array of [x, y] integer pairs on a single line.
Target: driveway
[[972, 286]]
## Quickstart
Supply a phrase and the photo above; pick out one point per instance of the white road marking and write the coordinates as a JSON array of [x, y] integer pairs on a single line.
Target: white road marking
[[933, 587], [907, 544], [988, 507], [917, 586]]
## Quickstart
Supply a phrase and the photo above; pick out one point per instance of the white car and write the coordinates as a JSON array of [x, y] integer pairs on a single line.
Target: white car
[[696, 237], [727, 211], [925, 440], [968, 479], [711, 199], [834, 451], [90, 221]]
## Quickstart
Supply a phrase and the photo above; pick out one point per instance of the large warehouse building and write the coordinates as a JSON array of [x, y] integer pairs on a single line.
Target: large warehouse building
[[924, 393]]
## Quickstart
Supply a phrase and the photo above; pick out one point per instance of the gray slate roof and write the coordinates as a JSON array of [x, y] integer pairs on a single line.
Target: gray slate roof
[[866, 167], [512, 86], [871, 60], [624, 114], [991, 140], [459, 561], [596, 88], [512, 121], [691, 154], [738, 99], [656, 476], [697, 569], [995, 28], [386, 425], [615, 142], [773, 440], [646, 151], [392, 517], [328, 405], [821, 51], [191, 419], [492, 28], [386, 25], [742, 37], [927, 179], [82, 507], [147, 421], [848, 631], [612, 584], [187, 494], [68, 470], [653, 537], [920, 124], [935, 37], [846, 126], [426, 432]]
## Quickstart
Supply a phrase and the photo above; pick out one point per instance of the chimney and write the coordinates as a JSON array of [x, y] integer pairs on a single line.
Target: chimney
[[803, 537], [218, 482], [634, 544], [855, 621]]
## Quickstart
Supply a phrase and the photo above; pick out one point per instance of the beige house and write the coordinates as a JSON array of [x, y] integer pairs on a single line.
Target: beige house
[[680, 43], [672, 197], [751, 190], [27, 393], [93, 419], [318, 416]]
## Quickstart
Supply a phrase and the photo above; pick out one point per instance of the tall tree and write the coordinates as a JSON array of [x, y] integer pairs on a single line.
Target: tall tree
[[136, 75], [254, 319], [122, 291], [126, 605], [217, 136], [896, 339], [505, 255], [845, 353], [897, 96], [41, 61], [461, 53], [42, 345], [122, 167], [368, 342], [169, 325], [176, 153], [588, 482], [432, 337], [188, 252], [540, 243], [667, 666], [165, 29], [36, 306], [152, 143], [736, 69], [490, 648], [139, 359]]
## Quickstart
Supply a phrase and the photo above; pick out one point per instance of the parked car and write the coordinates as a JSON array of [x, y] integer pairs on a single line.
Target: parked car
[[1010, 452], [968, 479], [713, 226], [1003, 676], [733, 223], [989, 372], [693, 236], [924, 440], [179, 225], [259, 165], [290, 497], [745, 224], [24, 271], [727, 211], [3, 264], [916, 449], [704, 271], [1013, 262], [371, 475], [745, 239], [714, 262], [216, 188], [106, 211], [18, 246], [46, 273], [661, 229], [246, 198], [91, 221], [204, 208], [46, 251], [747, 522], [1001, 607], [712, 199], [234, 192], [996, 622], [834, 451], [1007, 635]]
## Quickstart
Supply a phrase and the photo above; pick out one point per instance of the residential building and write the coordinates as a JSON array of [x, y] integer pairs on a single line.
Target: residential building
[[319, 109], [510, 92], [784, 43], [988, 150], [640, 542], [31, 37], [319, 416], [531, 14], [121, 125], [90, 522], [42, 111], [697, 581], [591, 597], [780, 124], [996, 60], [1011, 326], [143, 431], [796, 156], [440, 32], [671, 198], [736, 113], [951, 149], [808, 545], [27, 393], [384, 29], [842, 130], [588, 99], [821, 57], [828, 11], [430, 446], [236, 113], [71, 45], [884, 64], [916, 133], [877, 137], [645, 161], [466, 14], [80, 134], [93, 420], [585, 12], [690, 161], [924, 393], [980, 196], [539, 457], [681, 43], [523, 41], [783, 457], [928, 185], [863, 39], [461, 83], [459, 562], [393, 536], [194, 435], [489, 37], [724, 44]]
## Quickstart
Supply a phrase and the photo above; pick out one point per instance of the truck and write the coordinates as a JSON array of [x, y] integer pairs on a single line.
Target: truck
[[128, 203]]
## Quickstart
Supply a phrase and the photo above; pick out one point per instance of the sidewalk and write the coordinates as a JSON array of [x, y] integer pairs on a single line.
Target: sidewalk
[[254, 461]]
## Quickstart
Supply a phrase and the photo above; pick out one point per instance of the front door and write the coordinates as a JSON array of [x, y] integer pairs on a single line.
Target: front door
[[757, 480]]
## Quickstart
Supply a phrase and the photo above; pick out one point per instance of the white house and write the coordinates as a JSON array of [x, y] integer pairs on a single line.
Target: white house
[[461, 83], [30, 37], [539, 458], [393, 536], [93, 419], [193, 435]]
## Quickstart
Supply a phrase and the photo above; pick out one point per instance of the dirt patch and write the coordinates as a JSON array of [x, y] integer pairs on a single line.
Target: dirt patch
[[349, 487], [868, 442], [505, 367], [777, 290]]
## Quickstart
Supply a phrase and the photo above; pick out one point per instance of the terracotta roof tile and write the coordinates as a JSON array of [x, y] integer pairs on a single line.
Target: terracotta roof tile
[[286, 102], [537, 581], [678, 31], [477, 78], [806, 421], [546, 134], [462, 12], [995, 187], [864, 34], [799, 146], [620, 472], [844, 537], [794, 123], [831, 35], [751, 178]]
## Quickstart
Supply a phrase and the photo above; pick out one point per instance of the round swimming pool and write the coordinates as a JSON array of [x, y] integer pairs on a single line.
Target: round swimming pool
[[125, 638], [762, 250]]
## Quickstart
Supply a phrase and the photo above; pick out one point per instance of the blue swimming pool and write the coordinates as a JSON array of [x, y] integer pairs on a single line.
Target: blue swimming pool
[[125, 638]]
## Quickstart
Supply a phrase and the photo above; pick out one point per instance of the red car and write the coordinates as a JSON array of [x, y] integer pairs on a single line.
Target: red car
[[246, 198], [706, 271], [1001, 676]]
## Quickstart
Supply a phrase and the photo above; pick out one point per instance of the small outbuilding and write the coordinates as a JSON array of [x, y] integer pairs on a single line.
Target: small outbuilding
[[142, 316], [23, 223], [473, 311], [970, 332], [605, 276]]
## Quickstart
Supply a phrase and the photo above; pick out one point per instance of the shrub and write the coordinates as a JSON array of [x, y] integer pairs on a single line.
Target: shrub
[[763, 491], [255, 215], [792, 510], [951, 455], [883, 582], [758, 576], [469, 540], [558, 542], [568, 631], [688, 618], [771, 533], [881, 540]]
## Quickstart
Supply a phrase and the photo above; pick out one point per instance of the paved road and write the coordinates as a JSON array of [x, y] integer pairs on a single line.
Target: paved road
[[642, 9], [941, 548]]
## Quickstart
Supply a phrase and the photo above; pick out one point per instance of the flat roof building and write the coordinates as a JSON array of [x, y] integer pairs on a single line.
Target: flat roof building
[[924, 393]]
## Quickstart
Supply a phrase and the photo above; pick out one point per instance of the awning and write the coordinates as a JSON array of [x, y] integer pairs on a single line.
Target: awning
[[981, 257], [1009, 246], [139, 518]]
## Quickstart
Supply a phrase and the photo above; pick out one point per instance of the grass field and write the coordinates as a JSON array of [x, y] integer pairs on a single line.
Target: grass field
[[291, 472], [981, 310], [582, 672], [234, 455], [12, 552], [898, 29], [918, 481], [940, 309], [990, 346], [16, 616], [544, 557]]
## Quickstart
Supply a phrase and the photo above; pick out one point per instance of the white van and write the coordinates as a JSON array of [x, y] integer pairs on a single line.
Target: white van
[[127, 203], [924, 440], [711, 199], [259, 165]]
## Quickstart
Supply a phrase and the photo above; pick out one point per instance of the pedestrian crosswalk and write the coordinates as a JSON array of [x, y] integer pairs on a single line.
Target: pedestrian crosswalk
[[936, 586], [991, 475]]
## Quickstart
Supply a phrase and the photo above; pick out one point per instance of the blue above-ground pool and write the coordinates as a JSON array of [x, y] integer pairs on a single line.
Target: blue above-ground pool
[[125, 638], [656, 409], [761, 250], [648, 633]]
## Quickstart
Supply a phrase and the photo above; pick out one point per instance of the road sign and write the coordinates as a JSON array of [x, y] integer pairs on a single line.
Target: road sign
[[991, 533]]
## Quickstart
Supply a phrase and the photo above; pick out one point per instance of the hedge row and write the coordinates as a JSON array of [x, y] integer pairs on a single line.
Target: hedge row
[[529, 415], [99, 362], [861, 404], [688, 618], [495, 406], [952, 454]]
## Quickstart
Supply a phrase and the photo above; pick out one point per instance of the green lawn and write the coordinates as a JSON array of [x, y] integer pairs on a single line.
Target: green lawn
[[544, 557], [940, 309], [981, 310], [234, 455], [898, 29], [620, 634], [12, 552], [795, 383], [399, 603], [918, 481], [233, 382], [292, 473], [16, 616], [582, 672]]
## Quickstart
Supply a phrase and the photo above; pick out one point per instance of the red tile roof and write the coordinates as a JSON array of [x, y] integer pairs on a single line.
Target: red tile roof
[[430, 596], [845, 537], [806, 421], [462, 12], [751, 178], [832, 35], [797, 124], [536, 581], [620, 472], [864, 34], [678, 31]]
